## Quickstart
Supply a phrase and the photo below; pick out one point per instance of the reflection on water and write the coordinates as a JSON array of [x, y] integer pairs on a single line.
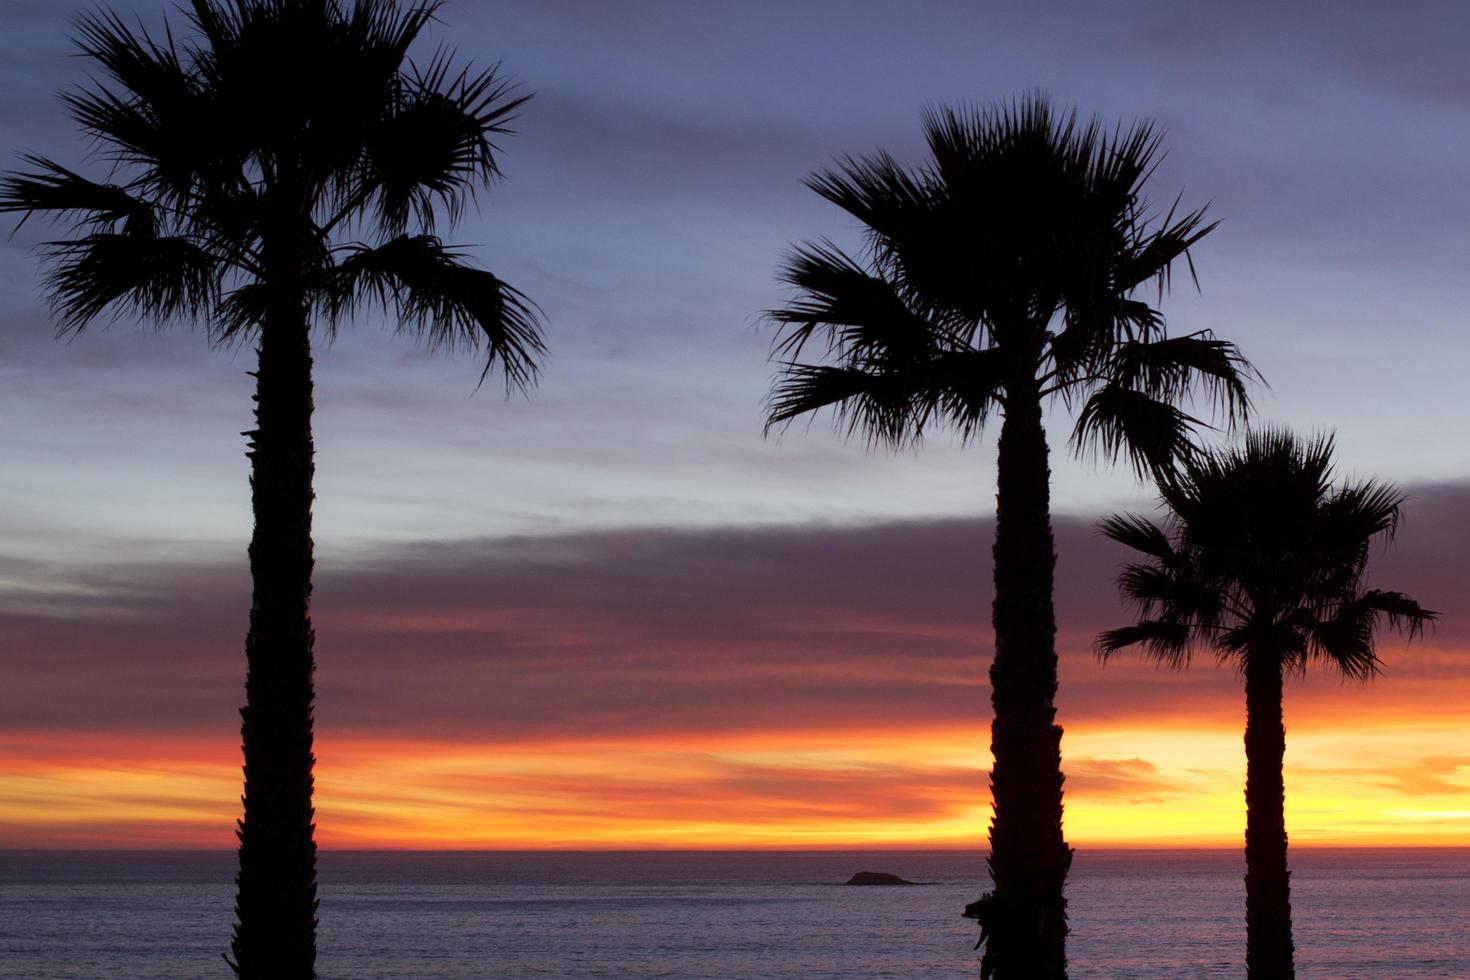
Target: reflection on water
[[448, 916]]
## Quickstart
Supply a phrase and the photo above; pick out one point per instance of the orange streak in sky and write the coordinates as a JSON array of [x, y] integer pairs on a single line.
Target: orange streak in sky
[[1363, 767]]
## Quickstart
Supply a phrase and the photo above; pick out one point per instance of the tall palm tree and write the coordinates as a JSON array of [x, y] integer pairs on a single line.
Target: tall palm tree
[[273, 173], [1261, 560], [999, 276]]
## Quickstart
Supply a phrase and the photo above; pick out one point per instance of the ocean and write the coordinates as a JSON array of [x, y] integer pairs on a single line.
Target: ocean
[[722, 915]]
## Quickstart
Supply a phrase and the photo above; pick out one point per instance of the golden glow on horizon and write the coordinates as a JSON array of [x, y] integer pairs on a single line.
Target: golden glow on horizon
[[1135, 785]]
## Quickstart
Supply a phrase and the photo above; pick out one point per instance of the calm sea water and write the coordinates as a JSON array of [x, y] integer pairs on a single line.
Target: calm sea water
[[447, 916]]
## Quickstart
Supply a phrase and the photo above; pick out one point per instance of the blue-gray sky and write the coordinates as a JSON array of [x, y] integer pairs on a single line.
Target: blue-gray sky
[[650, 193]]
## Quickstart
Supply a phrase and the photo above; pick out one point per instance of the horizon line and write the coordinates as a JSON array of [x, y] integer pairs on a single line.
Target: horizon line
[[1113, 848]]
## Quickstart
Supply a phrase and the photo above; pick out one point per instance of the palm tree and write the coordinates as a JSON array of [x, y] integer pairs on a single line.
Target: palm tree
[[1000, 276], [1261, 559], [246, 163]]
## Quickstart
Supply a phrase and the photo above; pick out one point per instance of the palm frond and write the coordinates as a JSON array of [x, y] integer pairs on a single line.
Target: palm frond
[[1154, 435], [435, 294], [1163, 641], [963, 137], [1092, 327], [1403, 614], [1149, 585], [158, 278], [960, 387], [1178, 593], [860, 314], [389, 26], [1344, 638], [240, 312], [877, 405], [1276, 453], [54, 190], [439, 143], [1140, 534], [220, 24], [1172, 368], [876, 190], [150, 71], [152, 114], [1155, 252], [1363, 511]]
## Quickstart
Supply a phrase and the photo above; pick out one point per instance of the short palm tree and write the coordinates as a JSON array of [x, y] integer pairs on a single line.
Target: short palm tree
[[1001, 275], [1261, 560], [281, 167]]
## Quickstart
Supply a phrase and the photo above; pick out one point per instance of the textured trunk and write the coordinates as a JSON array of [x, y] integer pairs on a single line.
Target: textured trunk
[[1267, 882], [1024, 920], [275, 934]]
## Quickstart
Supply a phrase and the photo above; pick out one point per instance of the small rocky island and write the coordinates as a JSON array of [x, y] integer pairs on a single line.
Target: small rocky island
[[877, 878]]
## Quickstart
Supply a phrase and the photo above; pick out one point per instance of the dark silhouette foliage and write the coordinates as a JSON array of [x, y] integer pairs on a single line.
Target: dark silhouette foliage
[[1261, 560], [1003, 273], [275, 166]]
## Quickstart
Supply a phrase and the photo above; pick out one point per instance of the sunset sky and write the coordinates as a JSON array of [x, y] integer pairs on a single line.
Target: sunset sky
[[613, 615]]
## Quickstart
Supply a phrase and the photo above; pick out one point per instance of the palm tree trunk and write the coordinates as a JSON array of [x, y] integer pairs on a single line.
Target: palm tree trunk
[[1024, 920], [1267, 881], [275, 908]]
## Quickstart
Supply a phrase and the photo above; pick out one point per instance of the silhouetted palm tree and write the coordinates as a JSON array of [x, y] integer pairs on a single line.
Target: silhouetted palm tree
[[998, 276], [244, 162], [1261, 560]]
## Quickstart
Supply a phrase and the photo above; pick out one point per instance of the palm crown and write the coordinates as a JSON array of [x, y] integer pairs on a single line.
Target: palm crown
[[1262, 552], [1004, 267], [241, 161]]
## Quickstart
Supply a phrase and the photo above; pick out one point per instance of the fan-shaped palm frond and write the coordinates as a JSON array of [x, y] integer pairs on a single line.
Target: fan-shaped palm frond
[[1140, 534], [437, 295], [874, 403], [440, 142], [859, 315], [53, 189], [1173, 368], [1166, 642], [876, 190], [162, 279], [1117, 420]]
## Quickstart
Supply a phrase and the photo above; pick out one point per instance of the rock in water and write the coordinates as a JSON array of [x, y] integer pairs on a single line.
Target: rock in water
[[876, 878]]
